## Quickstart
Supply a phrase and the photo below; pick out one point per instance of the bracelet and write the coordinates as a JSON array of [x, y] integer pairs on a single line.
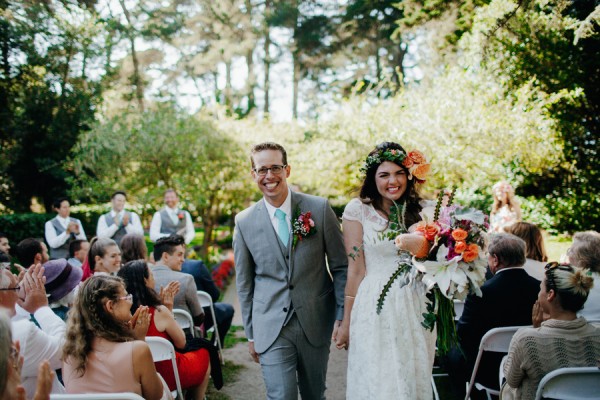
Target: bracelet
[[350, 297]]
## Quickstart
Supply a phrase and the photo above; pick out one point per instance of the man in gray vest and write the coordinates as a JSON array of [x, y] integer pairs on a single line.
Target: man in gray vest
[[171, 220], [118, 222], [62, 229]]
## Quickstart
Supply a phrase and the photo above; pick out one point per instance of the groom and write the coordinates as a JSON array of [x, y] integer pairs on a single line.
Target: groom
[[288, 299]]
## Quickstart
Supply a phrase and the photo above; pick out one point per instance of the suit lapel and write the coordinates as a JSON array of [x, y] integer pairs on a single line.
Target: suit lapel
[[265, 224], [296, 202]]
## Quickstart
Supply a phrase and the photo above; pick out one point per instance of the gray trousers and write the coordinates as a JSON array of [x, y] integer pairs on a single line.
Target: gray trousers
[[292, 363]]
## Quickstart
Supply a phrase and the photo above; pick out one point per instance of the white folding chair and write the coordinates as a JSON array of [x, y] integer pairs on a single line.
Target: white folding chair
[[577, 383], [206, 301], [459, 306], [495, 340], [163, 350], [97, 396], [184, 320]]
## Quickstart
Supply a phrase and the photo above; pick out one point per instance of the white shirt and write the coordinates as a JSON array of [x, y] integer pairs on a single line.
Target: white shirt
[[286, 207], [54, 240], [38, 345], [156, 224], [105, 231]]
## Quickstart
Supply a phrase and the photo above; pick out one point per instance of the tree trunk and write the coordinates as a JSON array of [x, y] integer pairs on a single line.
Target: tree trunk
[[250, 82], [228, 89], [295, 80], [137, 80], [267, 69]]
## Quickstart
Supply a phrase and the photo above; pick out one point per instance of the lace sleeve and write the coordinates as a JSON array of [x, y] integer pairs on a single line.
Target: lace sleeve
[[353, 211]]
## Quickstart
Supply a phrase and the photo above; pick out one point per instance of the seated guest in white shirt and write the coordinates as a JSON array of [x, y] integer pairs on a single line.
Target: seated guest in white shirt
[[78, 251], [585, 253], [171, 220], [104, 256], [62, 229], [118, 222], [36, 344]]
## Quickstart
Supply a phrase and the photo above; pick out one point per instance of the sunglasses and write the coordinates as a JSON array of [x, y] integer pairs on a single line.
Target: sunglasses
[[550, 267]]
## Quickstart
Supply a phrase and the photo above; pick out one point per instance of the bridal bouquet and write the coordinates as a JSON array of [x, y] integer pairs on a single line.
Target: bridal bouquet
[[447, 249]]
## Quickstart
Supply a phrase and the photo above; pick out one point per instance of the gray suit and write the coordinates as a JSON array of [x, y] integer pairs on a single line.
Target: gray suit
[[187, 298], [287, 295]]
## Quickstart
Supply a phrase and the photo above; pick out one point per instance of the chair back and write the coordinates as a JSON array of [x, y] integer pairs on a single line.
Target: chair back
[[163, 350], [206, 301], [184, 320], [577, 383], [97, 396], [495, 340]]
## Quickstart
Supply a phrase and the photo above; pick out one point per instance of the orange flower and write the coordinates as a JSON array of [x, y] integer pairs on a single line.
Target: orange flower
[[459, 234], [415, 244], [460, 246], [420, 172], [471, 253], [407, 162], [417, 157], [430, 231]]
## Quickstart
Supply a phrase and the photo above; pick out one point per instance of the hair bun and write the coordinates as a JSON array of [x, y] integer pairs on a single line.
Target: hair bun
[[582, 281]]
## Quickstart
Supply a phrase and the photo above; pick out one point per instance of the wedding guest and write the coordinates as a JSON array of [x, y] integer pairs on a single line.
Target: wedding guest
[[32, 251], [203, 279], [62, 229], [506, 300], [193, 366], [585, 253], [171, 220], [104, 257], [4, 245], [105, 351], [10, 366], [169, 255], [133, 247], [37, 343], [563, 340], [118, 222], [78, 251], [505, 209], [290, 303], [535, 253], [61, 281]]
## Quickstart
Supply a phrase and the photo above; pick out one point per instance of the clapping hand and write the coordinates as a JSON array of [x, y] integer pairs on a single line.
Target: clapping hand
[[125, 219], [73, 228], [44, 382], [167, 295], [32, 295], [140, 322]]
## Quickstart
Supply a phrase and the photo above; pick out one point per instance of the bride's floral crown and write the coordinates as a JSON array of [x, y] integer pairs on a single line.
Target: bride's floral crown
[[414, 161]]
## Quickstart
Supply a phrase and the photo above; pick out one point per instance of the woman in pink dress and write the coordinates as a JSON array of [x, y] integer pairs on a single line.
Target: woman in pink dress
[[105, 351]]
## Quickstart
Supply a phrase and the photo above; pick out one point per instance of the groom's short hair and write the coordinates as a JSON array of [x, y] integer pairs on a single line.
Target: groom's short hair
[[257, 148]]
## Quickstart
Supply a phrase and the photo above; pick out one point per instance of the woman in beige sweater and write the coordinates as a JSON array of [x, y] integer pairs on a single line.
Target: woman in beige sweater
[[561, 340]]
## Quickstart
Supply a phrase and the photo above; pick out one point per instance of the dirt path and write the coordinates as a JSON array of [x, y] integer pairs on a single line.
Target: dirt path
[[249, 385]]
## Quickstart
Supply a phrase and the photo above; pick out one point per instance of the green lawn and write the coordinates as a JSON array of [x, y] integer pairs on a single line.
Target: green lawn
[[556, 246]]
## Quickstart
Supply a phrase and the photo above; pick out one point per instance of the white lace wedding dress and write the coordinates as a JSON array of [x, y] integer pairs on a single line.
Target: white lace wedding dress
[[390, 354]]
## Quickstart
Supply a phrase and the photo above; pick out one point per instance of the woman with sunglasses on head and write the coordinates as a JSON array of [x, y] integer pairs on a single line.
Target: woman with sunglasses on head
[[561, 340], [105, 351]]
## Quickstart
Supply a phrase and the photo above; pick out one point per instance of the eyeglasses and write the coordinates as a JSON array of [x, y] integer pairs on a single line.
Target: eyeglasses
[[129, 297], [11, 288], [275, 169]]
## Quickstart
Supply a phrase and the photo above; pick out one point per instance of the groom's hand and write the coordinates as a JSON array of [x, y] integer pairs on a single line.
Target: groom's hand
[[336, 327], [253, 353]]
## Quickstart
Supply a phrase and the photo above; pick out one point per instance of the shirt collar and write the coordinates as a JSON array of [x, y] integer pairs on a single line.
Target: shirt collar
[[172, 210], [509, 268], [113, 212], [62, 220], [286, 207]]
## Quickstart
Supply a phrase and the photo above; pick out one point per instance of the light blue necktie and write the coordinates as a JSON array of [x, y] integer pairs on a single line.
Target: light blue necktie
[[282, 227]]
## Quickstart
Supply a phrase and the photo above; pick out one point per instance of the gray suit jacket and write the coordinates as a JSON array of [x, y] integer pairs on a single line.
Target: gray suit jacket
[[270, 280], [187, 298]]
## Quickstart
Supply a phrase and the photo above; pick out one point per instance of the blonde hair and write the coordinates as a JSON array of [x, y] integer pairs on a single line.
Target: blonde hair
[[89, 319], [571, 284], [534, 241]]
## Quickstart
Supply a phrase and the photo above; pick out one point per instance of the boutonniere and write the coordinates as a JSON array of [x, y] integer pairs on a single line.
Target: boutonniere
[[180, 215], [302, 225]]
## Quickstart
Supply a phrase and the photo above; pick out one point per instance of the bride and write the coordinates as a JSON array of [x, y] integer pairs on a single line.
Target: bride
[[390, 354]]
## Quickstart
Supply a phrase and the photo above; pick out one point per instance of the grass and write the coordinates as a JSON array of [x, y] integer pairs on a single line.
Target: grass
[[556, 246], [229, 369]]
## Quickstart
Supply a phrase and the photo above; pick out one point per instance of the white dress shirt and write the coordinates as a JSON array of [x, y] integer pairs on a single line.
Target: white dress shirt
[[156, 224], [105, 231], [38, 345], [54, 240], [286, 207]]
